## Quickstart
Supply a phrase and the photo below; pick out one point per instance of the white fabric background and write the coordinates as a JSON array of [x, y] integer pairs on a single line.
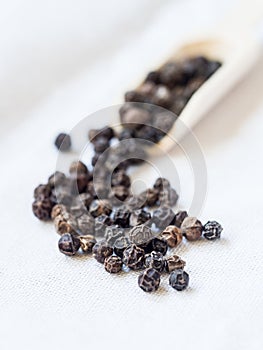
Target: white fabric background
[[60, 61]]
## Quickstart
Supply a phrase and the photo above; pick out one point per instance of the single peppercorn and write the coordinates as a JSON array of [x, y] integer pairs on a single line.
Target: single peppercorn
[[69, 244], [112, 233], [101, 251], [150, 197], [155, 260], [63, 142], [56, 179], [120, 178], [57, 210], [179, 279], [65, 223], [135, 118], [85, 224], [163, 217], [133, 257], [86, 199], [87, 242], [42, 191], [101, 223], [159, 245], [79, 183], [101, 144], [95, 134], [174, 262], [78, 167], [140, 234], [212, 230], [113, 264], [179, 218], [121, 217], [161, 183], [119, 194], [192, 228], [42, 208], [172, 235], [149, 280]]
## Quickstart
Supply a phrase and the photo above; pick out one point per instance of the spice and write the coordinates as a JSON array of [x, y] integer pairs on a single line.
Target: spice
[[140, 234], [172, 235], [68, 244], [78, 167], [139, 217], [212, 230], [179, 280], [121, 217], [113, 264], [87, 242], [57, 210], [101, 222], [155, 260], [99, 207], [174, 262], [42, 208], [120, 245], [65, 223], [101, 251], [179, 218], [159, 245], [192, 228], [86, 224], [112, 233], [133, 257], [149, 280], [63, 142], [42, 191]]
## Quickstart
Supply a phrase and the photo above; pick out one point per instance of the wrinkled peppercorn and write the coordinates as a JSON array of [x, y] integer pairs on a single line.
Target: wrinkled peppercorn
[[179, 218], [192, 228], [172, 235], [57, 210], [120, 178], [155, 260], [159, 245], [179, 280], [113, 264], [86, 224], [79, 183], [161, 183], [135, 117], [78, 167], [163, 217], [112, 233], [174, 262], [168, 197], [87, 242], [101, 251], [56, 179], [42, 191], [150, 197], [65, 223], [68, 244], [42, 208], [120, 245], [99, 207], [63, 142], [140, 234], [212, 230], [149, 280], [133, 257]]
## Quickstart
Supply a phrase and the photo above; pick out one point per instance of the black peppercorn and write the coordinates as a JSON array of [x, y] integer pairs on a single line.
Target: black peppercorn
[[133, 257], [68, 244], [150, 197], [42, 208], [161, 183], [149, 280], [106, 132], [57, 210], [140, 234], [112, 233], [163, 217], [101, 144], [159, 245], [120, 178], [113, 264], [168, 197], [155, 260], [78, 167], [63, 142], [121, 217], [135, 118], [43, 191], [174, 262], [65, 223], [99, 207], [179, 218], [119, 194], [87, 242], [101, 251], [101, 223], [56, 179], [179, 280], [212, 230], [86, 224], [192, 228]]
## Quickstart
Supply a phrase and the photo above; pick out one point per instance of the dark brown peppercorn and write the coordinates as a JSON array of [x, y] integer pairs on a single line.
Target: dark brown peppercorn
[[113, 264], [179, 218], [101, 251], [135, 118], [161, 183], [42, 191], [174, 262], [168, 197], [120, 178], [87, 242], [99, 207], [139, 217], [162, 96], [57, 210], [172, 235], [77, 167], [42, 208], [133, 257], [65, 223], [86, 199], [125, 134], [163, 217], [150, 197], [101, 144], [56, 179], [155, 260], [119, 193], [149, 280], [140, 234], [120, 245], [159, 245], [212, 230], [63, 142], [112, 233], [153, 76], [68, 244], [106, 132], [79, 183], [192, 228], [179, 280]]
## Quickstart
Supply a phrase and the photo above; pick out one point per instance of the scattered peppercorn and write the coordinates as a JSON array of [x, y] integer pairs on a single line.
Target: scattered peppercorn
[[179, 279], [133, 257], [140, 234], [149, 280], [68, 244], [174, 262], [192, 228], [155, 260], [63, 142], [101, 251], [42, 208], [87, 242], [113, 264], [172, 235], [212, 230]]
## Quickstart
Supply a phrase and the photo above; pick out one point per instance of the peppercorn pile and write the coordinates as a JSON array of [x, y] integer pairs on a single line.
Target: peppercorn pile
[[94, 210]]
